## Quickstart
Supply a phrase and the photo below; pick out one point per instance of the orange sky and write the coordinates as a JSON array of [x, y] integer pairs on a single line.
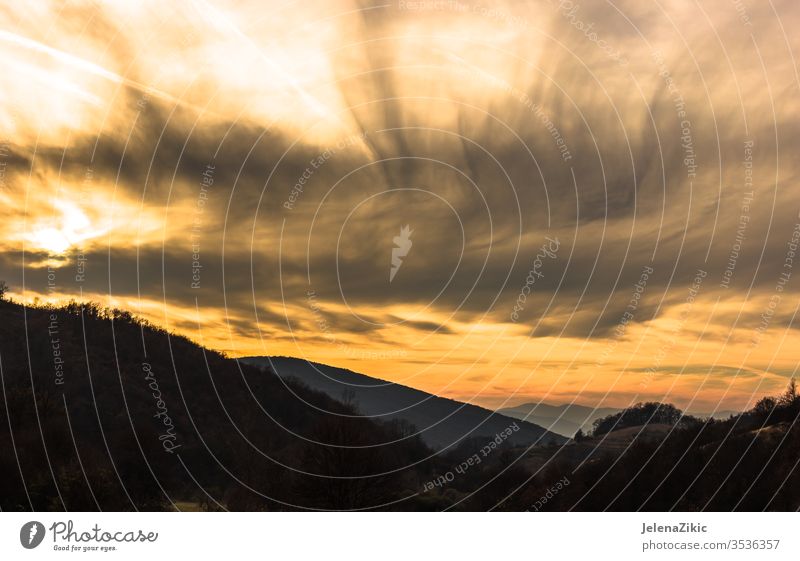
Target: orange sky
[[241, 174]]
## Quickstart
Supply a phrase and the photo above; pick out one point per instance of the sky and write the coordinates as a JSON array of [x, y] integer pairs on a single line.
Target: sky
[[498, 202]]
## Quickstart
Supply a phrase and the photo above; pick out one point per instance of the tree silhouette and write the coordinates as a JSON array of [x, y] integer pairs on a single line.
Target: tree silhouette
[[765, 406], [789, 396], [639, 414]]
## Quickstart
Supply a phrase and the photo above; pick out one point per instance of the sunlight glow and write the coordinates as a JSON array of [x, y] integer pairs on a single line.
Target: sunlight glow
[[70, 229]]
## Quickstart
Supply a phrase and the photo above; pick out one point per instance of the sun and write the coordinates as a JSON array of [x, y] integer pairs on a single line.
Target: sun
[[60, 233]]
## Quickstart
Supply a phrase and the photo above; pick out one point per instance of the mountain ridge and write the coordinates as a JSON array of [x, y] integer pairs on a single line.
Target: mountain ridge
[[565, 419], [442, 422]]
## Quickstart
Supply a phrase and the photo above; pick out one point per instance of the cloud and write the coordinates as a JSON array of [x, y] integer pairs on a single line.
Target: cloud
[[486, 131]]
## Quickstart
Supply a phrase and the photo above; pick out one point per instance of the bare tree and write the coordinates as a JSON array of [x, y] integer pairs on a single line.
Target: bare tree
[[790, 396]]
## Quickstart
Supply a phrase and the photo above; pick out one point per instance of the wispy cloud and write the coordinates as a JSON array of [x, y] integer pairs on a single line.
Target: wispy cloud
[[482, 130]]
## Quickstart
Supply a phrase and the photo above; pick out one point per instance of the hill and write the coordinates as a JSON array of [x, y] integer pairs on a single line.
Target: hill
[[441, 423], [105, 412], [746, 462]]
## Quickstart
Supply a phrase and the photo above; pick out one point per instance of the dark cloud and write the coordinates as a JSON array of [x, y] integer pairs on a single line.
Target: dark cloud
[[481, 183]]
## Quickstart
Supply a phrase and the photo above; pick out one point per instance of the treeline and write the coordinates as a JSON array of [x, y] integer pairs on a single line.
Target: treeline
[[640, 414]]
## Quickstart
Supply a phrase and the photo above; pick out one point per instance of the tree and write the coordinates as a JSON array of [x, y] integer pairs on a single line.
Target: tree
[[765, 406], [579, 436], [790, 396], [3, 290], [639, 414]]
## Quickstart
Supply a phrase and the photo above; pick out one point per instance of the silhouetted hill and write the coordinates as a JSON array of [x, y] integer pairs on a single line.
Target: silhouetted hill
[[441, 422], [746, 462], [101, 411]]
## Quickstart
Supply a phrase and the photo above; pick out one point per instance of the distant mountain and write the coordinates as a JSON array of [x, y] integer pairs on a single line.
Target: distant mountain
[[566, 419], [720, 415], [563, 419], [441, 422]]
